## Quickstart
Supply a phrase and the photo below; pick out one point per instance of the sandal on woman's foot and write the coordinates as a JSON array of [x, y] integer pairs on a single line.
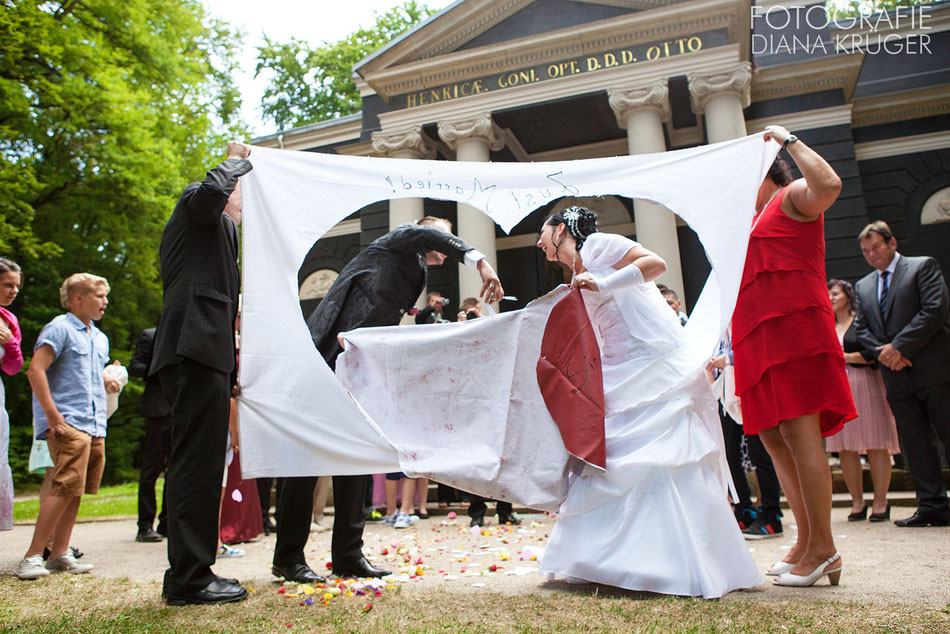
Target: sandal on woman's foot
[[779, 568], [803, 581]]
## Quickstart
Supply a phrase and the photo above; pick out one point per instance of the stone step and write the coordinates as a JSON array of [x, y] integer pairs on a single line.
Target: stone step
[[900, 493]]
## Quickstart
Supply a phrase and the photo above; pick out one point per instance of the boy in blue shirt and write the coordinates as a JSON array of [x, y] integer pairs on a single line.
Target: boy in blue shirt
[[69, 412]]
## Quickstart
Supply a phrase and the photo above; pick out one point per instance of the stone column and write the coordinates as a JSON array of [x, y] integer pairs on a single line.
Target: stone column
[[472, 141], [410, 143], [642, 111], [721, 99]]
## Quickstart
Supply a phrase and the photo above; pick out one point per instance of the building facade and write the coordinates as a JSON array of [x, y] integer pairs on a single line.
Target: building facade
[[545, 80]]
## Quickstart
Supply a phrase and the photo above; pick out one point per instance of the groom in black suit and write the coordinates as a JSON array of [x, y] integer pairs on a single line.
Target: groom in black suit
[[905, 318], [194, 358], [376, 288]]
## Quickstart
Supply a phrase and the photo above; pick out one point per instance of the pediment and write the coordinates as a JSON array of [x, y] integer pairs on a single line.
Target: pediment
[[473, 23], [474, 38]]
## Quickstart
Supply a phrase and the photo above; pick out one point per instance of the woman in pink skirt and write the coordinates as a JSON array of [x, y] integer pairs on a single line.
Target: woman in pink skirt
[[873, 432]]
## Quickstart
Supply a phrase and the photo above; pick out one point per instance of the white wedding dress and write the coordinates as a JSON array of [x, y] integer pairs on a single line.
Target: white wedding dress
[[658, 519]]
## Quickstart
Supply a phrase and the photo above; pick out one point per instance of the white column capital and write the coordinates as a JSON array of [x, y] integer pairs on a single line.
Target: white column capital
[[405, 143], [479, 127], [737, 81], [654, 96]]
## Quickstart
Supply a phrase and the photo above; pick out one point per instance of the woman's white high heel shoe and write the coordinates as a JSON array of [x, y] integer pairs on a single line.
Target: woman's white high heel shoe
[[779, 568], [788, 579]]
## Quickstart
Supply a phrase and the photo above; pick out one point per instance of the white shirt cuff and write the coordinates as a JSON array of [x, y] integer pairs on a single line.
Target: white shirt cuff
[[472, 256]]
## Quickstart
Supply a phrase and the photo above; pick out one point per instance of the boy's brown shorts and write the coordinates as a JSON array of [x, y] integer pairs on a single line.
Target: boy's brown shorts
[[78, 461]]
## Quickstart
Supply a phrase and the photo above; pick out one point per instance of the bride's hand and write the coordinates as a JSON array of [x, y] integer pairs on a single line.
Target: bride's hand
[[585, 281]]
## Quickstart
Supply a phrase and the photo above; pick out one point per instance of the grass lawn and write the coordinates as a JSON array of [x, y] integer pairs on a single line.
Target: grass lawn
[[113, 501], [64, 603]]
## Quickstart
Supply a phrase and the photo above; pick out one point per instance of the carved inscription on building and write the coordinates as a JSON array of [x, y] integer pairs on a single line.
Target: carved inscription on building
[[649, 52]]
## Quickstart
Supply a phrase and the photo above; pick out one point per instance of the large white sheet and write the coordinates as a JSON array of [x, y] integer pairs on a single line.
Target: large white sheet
[[295, 416], [476, 420]]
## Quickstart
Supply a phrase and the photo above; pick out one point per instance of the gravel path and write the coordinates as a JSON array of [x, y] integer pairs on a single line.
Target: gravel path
[[882, 563]]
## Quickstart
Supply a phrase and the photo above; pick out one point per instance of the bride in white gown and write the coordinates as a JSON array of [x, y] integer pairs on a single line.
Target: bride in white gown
[[658, 519]]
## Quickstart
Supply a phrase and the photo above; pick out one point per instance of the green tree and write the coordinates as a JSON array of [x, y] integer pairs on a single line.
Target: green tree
[[107, 110], [315, 83], [848, 8]]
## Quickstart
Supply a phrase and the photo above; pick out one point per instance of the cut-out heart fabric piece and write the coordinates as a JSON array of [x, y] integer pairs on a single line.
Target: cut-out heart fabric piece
[[572, 381]]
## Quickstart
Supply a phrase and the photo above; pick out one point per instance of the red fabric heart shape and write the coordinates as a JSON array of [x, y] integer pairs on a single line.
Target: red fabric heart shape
[[572, 381]]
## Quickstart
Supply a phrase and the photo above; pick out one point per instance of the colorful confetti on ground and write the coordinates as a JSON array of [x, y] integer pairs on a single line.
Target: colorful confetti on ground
[[449, 552]]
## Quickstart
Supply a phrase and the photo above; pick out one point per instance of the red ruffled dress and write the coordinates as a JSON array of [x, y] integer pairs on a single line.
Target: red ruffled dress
[[788, 361]]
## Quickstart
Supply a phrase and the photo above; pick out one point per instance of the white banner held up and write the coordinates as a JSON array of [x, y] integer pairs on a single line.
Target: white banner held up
[[295, 417]]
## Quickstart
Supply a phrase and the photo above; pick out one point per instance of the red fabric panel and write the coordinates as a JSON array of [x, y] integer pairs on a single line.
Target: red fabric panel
[[571, 379]]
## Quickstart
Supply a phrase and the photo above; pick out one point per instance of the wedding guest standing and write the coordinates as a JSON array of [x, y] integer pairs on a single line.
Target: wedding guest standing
[[905, 320], [873, 432], [70, 413], [790, 374], [10, 338], [157, 415]]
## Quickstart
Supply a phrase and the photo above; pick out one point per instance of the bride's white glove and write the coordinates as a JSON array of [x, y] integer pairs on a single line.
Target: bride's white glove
[[629, 275]]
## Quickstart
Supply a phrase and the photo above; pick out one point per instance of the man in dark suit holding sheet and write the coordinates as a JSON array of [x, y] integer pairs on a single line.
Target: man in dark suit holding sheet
[[194, 358]]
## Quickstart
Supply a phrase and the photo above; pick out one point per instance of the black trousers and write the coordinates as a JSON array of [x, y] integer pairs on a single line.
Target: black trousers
[[922, 416], [477, 507], [449, 494], [769, 490], [200, 401], [263, 493], [157, 445], [295, 511]]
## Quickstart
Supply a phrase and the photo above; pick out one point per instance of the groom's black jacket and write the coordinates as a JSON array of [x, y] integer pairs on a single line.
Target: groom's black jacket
[[375, 289], [380, 284]]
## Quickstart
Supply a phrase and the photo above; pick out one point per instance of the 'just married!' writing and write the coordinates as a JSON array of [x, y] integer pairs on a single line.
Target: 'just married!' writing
[[480, 193]]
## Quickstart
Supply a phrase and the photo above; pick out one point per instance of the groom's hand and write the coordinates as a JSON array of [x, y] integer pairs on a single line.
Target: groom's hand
[[491, 285]]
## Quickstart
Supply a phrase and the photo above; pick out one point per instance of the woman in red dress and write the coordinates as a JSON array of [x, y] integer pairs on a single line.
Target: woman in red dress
[[789, 365]]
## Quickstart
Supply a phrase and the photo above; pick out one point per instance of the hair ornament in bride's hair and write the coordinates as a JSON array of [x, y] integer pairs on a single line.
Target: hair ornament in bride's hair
[[571, 215]]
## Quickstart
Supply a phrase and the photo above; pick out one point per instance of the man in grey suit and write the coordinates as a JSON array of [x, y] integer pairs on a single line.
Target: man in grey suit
[[194, 358], [905, 317]]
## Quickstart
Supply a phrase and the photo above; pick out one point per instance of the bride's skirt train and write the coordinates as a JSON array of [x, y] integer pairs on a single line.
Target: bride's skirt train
[[658, 520]]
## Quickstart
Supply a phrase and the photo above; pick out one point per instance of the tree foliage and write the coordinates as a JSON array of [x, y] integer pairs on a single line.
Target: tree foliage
[[315, 83], [850, 8], [107, 110]]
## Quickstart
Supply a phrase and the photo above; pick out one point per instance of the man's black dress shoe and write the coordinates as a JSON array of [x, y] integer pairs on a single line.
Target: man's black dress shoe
[[358, 568], [301, 573], [148, 536], [925, 518], [508, 519], [218, 591]]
